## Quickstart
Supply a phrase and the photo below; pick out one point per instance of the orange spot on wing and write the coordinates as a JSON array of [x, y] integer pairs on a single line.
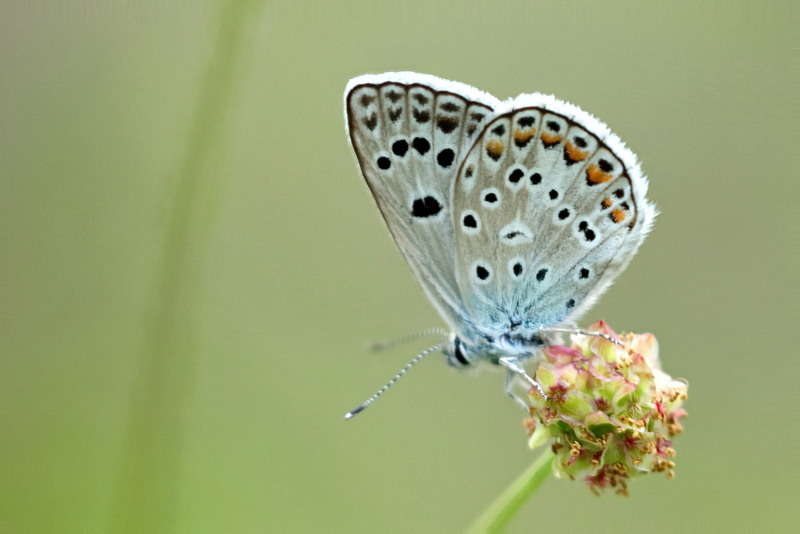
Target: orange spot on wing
[[551, 139], [596, 176], [574, 153], [617, 215], [494, 149], [606, 203], [524, 137]]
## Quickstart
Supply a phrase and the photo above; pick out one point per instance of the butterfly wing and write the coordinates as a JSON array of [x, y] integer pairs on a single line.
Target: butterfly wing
[[408, 132], [549, 207]]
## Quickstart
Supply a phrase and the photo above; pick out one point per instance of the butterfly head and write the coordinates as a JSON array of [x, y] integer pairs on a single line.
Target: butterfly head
[[458, 354]]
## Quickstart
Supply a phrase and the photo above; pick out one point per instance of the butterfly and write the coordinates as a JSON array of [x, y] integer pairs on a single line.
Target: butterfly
[[514, 216]]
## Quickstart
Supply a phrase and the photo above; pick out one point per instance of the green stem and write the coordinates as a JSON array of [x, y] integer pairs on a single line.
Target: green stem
[[508, 503]]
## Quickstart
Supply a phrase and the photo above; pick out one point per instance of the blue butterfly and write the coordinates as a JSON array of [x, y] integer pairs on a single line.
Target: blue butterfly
[[514, 216]]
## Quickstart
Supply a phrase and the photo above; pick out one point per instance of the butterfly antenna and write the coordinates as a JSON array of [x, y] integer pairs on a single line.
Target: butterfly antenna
[[386, 344], [418, 358]]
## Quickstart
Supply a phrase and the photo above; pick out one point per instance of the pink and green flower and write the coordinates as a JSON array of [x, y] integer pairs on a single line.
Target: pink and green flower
[[610, 413]]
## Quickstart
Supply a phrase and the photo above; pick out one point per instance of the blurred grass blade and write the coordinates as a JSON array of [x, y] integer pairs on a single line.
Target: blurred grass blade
[[147, 488]]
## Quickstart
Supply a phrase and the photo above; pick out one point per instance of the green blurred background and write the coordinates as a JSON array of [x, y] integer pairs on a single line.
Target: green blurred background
[[191, 266]]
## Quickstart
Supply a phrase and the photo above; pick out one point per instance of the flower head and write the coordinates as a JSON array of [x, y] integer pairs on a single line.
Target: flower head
[[610, 410]]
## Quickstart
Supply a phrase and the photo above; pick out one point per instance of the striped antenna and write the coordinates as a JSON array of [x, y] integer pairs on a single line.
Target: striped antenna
[[385, 344], [418, 358]]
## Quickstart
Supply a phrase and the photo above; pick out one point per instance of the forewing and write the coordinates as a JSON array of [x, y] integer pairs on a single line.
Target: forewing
[[408, 132], [549, 208]]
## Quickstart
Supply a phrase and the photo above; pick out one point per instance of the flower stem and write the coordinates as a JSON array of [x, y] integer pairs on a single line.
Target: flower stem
[[508, 503]]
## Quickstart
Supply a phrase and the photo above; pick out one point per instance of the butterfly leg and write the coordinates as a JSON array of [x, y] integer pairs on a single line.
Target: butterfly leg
[[510, 376], [579, 331], [515, 369]]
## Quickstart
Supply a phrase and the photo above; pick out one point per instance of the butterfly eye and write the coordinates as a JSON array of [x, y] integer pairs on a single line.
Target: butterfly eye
[[458, 353]]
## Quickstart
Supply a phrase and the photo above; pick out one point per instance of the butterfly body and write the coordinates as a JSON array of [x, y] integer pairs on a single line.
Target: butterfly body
[[514, 216]]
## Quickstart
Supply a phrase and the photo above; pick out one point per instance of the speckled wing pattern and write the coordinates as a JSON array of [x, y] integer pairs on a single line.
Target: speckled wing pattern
[[513, 215], [409, 133], [549, 208]]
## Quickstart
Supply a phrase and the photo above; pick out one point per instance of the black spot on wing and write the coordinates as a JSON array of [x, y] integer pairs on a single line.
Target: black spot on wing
[[421, 116], [526, 122], [445, 157], [421, 99], [515, 176], [366, 100], [425, 207], [399, 148], [446, 124], [394, 96], [421, 145]]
